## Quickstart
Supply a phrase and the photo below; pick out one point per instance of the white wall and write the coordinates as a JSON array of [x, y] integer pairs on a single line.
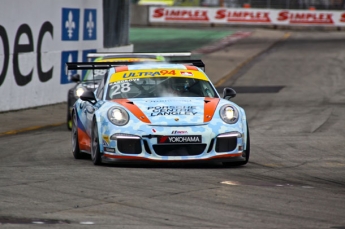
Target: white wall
[[62, 31]]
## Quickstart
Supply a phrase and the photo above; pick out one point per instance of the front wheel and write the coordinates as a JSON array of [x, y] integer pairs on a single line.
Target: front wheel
[[95, 151]]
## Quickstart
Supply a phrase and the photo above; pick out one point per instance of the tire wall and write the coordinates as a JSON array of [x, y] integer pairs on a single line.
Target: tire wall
[[37, 38]]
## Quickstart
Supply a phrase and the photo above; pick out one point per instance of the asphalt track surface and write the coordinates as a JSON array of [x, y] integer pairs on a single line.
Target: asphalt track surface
[[294, 98]]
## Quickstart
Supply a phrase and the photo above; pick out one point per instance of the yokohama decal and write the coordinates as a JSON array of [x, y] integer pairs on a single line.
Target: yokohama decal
[[181, 14], [306, 17], [180, 139], [243, 16]]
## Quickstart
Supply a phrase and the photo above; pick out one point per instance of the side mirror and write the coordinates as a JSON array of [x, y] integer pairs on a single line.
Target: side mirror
[[75, 78], [88, 96], [229, 93]]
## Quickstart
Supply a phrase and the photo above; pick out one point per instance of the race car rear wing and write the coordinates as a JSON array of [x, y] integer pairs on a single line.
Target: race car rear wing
[[106, 65], [138, 54]]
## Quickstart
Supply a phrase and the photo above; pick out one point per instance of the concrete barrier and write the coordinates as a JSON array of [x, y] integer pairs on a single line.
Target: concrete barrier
[[37, 37]]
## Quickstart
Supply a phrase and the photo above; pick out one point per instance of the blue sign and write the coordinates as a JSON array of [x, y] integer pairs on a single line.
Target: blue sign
[[90, 24], [67, 56], [85, 59], [70, 24]]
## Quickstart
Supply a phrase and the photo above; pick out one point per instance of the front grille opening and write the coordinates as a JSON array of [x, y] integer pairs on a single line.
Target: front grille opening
[[147, 148], [179, 149], [226, 144], [129, 146], [211, 146]]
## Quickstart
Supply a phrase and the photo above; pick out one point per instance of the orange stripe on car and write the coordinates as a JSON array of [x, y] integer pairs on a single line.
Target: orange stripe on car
[[121, 69], [133, 109], [191, 67], [84, 140], [209, 108], [227, 155]]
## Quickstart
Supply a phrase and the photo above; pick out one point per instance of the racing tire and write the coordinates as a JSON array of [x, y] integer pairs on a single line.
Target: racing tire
[[75, 141], [247, 152], [95, 150]]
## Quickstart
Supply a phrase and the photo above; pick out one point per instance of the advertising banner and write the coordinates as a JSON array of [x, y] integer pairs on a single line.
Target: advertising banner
[[243, 16]]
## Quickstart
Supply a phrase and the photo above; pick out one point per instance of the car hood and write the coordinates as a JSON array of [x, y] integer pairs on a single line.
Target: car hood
[[172, 110]]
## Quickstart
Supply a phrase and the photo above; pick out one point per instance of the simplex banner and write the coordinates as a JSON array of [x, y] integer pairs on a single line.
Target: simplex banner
[[246, 16], [37, 38]]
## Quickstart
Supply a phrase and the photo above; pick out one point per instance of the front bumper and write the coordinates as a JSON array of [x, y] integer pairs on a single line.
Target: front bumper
[[222, 147]]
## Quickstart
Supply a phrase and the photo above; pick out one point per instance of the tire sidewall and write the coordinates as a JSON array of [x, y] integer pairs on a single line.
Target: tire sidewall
[[75, 141], [95, 149]]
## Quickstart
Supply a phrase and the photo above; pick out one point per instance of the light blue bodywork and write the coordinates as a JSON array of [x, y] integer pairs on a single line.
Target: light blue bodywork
[[191, 123]]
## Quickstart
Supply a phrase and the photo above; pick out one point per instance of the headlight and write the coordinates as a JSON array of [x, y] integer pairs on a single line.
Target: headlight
[[229, 114], [79, 91], [118, 116]]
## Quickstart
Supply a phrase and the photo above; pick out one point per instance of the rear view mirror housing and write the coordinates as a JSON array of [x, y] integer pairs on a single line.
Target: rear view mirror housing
[[75, 78], [88, 96], [229, 93]]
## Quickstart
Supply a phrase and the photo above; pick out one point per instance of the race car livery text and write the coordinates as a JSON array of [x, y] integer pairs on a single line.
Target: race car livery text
[[172, 110], [157, 73]]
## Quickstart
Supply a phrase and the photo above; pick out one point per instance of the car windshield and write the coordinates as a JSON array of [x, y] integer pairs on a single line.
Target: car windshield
[[160, 87]]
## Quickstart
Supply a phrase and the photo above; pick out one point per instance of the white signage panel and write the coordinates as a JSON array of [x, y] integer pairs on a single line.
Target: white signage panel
[[37, 38]]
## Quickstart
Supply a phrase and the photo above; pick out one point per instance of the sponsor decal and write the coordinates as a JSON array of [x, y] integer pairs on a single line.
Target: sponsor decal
[[180, 139], [243, 16], [168, 101], [306, 17], [186, 73], [151, 73], [123, 81], [108, 149], [181, 14], [106, 140], [172, 110], [179, 132]]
